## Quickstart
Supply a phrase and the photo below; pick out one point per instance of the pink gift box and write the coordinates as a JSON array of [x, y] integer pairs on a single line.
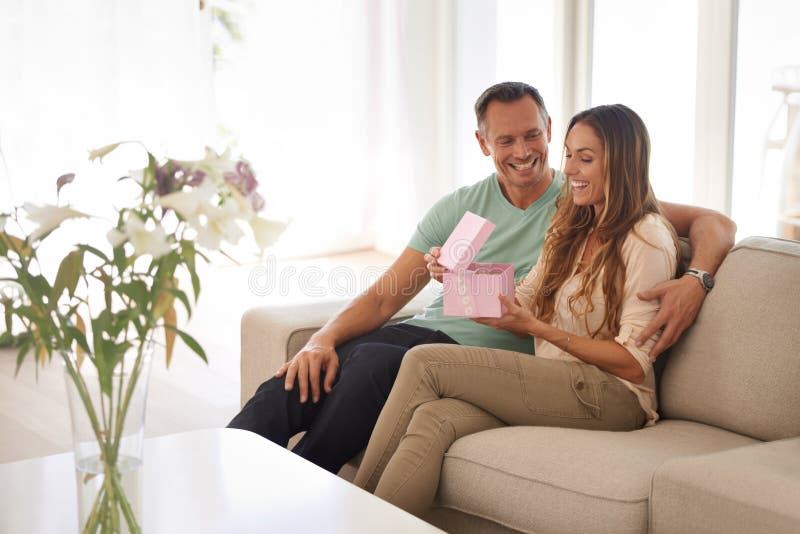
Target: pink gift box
[[472, 289], [467, 238]]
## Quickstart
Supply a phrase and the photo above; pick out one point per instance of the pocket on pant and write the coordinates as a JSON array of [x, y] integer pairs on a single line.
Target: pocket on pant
[[560, 389]]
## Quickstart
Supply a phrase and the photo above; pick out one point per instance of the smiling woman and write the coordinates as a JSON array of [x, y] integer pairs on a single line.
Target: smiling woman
[[584, 167]]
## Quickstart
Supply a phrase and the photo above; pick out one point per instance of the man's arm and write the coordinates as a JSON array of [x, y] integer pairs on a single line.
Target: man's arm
[[393, 290], [711, 236], [710, 233]]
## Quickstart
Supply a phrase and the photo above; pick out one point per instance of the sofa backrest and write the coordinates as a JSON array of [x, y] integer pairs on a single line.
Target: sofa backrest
[[738, 366]]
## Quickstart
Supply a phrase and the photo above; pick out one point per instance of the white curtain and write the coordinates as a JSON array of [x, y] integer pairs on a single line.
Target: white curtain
[[339, 105], [80, 74], [356, 114]]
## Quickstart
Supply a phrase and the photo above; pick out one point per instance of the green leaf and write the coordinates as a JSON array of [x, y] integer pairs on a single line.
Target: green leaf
[[120, 259], [195, 284], [108, 355], [36, 288], [188, 251], [166, 265], [6, 340], [120, 321], [74, 334], [149, 175], [23, 351], [100, 324], [94, 251], [105, 278], [181, 295], [136, 291], [7, 312], [28, 312], [190, 342], [10, 243], [69, 272]]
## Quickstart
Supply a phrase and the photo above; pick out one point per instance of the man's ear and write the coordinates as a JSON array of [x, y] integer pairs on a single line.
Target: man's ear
[[484, 145], [549, 128]]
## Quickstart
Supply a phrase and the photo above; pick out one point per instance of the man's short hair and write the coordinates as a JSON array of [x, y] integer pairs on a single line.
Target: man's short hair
[[507, 92]]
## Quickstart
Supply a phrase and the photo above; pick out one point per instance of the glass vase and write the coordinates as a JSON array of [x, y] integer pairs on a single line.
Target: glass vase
[[107, 410]]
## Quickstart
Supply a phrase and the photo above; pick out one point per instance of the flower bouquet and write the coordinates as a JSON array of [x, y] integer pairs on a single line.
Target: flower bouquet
[[101, 311]]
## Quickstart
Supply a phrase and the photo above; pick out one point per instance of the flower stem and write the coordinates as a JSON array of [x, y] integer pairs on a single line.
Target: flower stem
[[124, 505], [132, 381], [108, 470], [94, 516]]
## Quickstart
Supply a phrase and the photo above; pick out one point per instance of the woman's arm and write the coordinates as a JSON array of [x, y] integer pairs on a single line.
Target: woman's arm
[[608, 355], [650, 257]]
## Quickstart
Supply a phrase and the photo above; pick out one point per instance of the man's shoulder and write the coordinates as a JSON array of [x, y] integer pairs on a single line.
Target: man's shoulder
[[474, 193]]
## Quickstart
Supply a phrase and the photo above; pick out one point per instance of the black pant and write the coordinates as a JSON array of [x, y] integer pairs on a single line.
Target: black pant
[[338, 426]]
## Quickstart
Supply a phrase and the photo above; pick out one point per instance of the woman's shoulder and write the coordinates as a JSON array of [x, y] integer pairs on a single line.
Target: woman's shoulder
[[652, 230]]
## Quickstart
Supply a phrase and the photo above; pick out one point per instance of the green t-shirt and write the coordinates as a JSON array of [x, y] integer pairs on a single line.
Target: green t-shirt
[[517, 238]]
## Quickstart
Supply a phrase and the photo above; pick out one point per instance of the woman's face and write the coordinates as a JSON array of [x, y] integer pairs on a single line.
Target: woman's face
[[584, 166]]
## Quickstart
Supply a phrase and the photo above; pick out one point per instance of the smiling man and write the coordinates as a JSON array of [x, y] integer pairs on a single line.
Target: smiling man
[[335, 387]]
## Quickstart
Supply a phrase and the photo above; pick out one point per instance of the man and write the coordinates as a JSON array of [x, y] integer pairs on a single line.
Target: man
[[348, 367]]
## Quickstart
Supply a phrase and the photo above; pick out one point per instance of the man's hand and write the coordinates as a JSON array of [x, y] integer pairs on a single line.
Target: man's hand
[[432, 263], [306, 366], [516, 319], [681, 300]]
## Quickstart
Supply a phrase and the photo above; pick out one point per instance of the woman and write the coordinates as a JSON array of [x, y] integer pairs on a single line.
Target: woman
[[607, 242]]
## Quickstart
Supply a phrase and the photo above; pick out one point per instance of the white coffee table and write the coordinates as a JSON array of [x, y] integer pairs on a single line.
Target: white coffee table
[[220, 480]]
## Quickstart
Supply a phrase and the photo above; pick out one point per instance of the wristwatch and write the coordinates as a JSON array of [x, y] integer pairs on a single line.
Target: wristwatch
[[705, 278]]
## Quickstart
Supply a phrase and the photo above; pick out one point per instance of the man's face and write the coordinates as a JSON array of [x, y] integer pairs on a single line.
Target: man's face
[[516, 135]]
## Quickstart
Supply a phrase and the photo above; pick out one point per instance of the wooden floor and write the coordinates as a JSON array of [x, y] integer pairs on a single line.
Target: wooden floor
[[34, 418]]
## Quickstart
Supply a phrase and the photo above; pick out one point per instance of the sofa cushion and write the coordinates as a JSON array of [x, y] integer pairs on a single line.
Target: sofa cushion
[[542, 479], [738, 367], [748, 489]]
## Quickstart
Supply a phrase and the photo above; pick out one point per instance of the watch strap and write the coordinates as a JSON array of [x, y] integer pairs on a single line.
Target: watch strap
[[702, 276]]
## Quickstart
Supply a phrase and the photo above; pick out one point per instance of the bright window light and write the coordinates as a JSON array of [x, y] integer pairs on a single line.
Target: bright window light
[[768, 56], [645, 56]]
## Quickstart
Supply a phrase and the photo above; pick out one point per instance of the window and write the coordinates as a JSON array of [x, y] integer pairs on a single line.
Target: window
[[496, 41], [645, 56], [766, 170]]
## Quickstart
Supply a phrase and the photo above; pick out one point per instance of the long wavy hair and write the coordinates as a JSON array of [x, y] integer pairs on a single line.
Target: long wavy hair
[[628, 198]]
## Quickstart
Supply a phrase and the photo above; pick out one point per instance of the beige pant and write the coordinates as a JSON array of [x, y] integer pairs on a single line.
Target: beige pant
[[444, 392]]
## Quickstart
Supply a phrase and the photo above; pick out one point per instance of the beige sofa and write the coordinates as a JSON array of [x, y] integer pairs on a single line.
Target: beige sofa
[[724, 458]]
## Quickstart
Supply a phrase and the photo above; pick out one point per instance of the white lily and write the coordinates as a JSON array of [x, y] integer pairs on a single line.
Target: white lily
[[116, 238], [153, 242], [191, 203], [49, 217], [144, 241], [266, 232], [244, 207], [221, 224]]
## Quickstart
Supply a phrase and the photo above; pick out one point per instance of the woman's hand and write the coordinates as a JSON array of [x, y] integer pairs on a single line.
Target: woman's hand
[[516, 319], [434, 269]]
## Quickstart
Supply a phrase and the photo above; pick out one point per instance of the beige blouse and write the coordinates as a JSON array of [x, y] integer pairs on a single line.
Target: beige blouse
[[649, 255]]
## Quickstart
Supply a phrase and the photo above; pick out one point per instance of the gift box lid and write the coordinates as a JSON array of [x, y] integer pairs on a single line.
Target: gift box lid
[[465, 241]]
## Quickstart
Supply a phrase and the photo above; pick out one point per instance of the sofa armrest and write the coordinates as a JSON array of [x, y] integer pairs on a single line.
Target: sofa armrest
[[747, 489], [270, 335]]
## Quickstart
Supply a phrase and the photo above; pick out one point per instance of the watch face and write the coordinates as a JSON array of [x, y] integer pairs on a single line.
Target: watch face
[[708, 281]]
